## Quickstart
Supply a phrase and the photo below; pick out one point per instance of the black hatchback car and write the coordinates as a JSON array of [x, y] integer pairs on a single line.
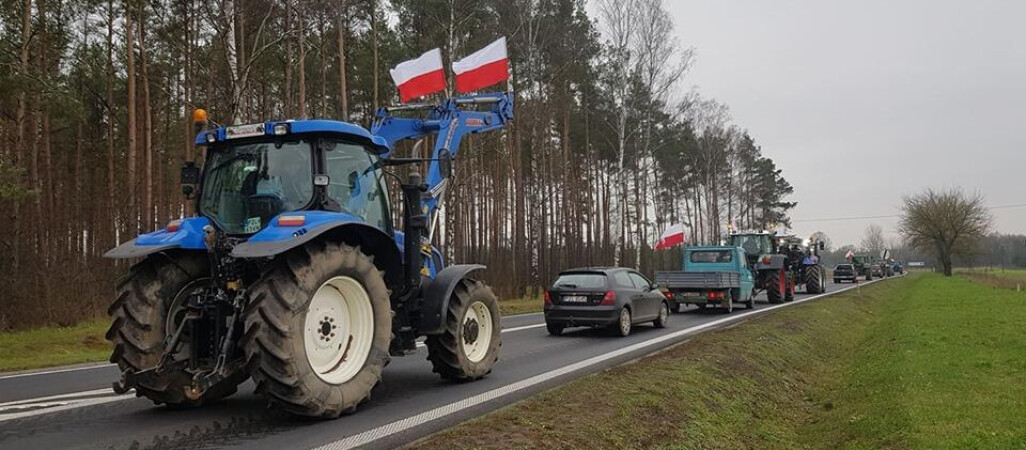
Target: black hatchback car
[[603, 296], [844, 272]]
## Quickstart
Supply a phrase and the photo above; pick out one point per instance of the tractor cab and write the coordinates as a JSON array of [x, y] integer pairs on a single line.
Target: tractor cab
[[254, 173], [754, 243]]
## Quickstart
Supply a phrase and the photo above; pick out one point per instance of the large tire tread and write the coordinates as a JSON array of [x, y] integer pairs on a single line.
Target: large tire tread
[[273, 336], [137, 327], [444, 350]]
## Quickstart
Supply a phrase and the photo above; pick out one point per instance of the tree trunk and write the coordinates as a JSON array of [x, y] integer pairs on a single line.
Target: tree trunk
[[133, 213]]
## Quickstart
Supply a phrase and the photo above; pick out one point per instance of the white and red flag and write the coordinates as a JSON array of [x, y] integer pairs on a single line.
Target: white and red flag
[[849, 255], [483, 68], [419, 77], [673, 236]]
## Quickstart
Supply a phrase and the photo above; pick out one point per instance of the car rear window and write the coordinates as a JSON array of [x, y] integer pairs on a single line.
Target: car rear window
[[581, 281], [711, 256], [843, 267]]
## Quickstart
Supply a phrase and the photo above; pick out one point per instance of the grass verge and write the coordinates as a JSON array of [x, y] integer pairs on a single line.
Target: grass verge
[[521, 305], [920, 362], [54, 346]]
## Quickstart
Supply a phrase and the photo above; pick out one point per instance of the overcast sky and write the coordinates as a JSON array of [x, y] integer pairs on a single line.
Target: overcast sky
[[861, 102]]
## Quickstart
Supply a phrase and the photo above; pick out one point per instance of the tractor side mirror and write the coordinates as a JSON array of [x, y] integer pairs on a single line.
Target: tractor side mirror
[[190, 179], [444, 163]]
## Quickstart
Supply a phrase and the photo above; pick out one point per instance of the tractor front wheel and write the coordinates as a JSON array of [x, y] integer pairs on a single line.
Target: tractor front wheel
[[469, 344], [148, 311], [317, 330]]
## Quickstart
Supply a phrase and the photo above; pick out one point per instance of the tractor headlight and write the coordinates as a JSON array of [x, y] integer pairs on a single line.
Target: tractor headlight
[[281, 129], [211, 137]]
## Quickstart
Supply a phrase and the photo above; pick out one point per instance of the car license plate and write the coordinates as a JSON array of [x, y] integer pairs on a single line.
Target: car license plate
[[575, 299], [690, 294]]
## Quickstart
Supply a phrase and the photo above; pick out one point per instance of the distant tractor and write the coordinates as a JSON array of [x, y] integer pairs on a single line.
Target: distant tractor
[[770, 267], [864, 266], [292, 272], [804, 263]]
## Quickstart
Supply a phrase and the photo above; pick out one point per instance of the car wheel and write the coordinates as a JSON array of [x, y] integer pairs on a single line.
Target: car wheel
[[623, 325], [664, 315], [555, 329]]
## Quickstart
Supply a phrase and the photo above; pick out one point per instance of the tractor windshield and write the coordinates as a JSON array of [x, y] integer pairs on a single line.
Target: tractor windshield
[[247, 184], [753, 244]]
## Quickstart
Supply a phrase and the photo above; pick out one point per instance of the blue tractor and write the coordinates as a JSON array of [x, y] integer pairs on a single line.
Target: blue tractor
[[292, 274]]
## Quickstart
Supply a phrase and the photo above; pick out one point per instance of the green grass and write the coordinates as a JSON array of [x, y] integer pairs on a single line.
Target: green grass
[[527, 304], [921, 362], [54, 346], [997, 277]]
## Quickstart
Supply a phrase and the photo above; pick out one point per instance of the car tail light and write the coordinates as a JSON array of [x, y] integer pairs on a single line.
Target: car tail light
[[766, 259], [173, 226], [548, 298], [713, 295], [609, 299], [669, 295]]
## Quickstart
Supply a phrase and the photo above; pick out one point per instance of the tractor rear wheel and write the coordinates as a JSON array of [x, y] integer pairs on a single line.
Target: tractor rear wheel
[[469, 344], [148, 310], [814, 279], [317, 330], [775, 285]]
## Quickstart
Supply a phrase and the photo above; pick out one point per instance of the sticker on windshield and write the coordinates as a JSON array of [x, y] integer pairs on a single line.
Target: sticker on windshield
[[252, 225]]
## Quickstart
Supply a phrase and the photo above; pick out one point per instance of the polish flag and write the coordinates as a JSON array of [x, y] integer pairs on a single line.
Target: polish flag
[[419, 77], [673, 236], [849, 255], [483, 68]]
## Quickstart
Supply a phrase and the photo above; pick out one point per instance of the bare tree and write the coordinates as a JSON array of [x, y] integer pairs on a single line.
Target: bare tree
[[946, 223], [820, 236], [873, 241]]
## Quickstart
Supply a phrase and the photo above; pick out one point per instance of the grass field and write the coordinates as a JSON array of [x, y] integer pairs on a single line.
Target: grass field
[[54, 346], [997, 277], [921, 362]]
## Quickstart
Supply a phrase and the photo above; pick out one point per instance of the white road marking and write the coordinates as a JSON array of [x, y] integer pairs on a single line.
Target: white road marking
[[525, 327], [45, 405], [408, 423], [47, 372]]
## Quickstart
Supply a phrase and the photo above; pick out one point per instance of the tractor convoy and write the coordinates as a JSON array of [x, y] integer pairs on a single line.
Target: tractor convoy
[[292, 273], [748, 263]]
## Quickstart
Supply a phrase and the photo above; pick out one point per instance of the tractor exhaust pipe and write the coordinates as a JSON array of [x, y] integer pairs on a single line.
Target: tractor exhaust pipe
[[414, 224]]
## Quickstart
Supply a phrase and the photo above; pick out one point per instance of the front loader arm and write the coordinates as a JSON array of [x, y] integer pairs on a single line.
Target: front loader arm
[[450, 121]]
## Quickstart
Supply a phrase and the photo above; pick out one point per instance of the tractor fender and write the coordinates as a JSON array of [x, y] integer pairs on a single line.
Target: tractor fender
[[436, 296], [188, 236], [274, 240]]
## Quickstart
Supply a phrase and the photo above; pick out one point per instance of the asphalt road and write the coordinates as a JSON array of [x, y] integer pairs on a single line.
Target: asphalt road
[[76, 409]]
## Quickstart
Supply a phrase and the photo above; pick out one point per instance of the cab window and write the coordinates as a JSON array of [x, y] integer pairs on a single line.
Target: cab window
[[354, 183]]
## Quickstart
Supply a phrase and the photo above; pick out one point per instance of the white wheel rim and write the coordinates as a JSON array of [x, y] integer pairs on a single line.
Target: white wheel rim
[[476, 331], [339, 330], [625, 321], [663, 312]]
